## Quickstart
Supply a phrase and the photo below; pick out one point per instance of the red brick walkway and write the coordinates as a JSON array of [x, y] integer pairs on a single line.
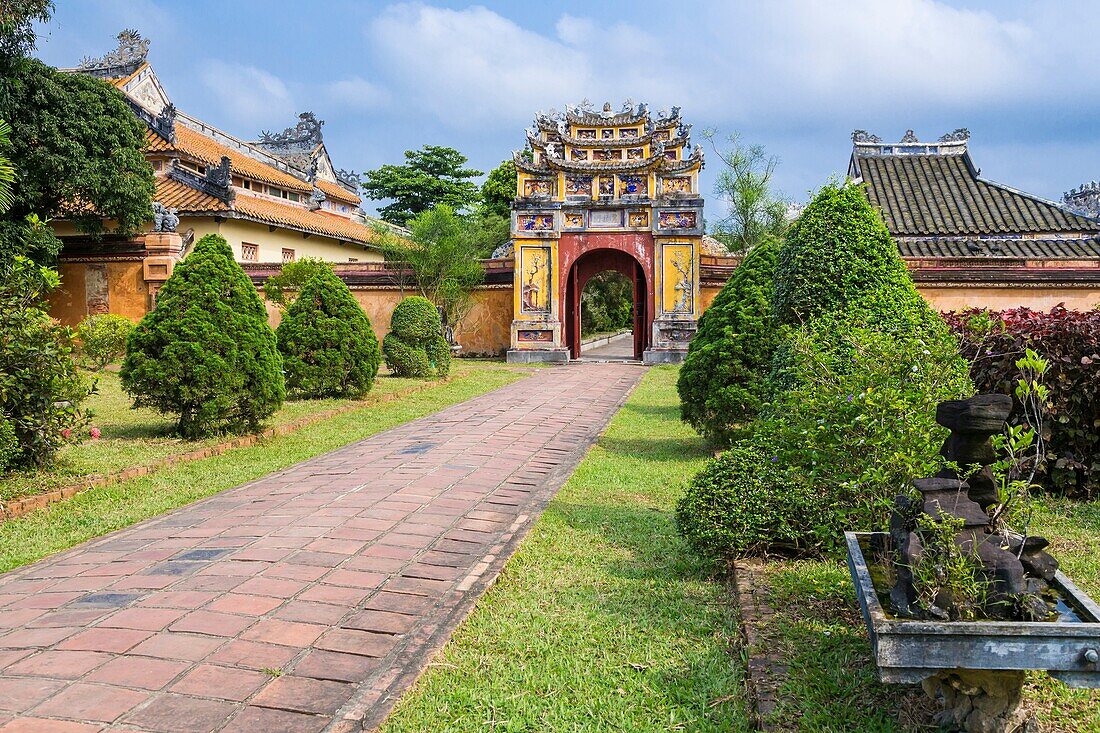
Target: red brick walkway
[[307, 600]]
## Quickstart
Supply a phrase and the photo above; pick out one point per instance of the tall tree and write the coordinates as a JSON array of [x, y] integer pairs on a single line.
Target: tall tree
[[7, 171], [499, 190], [78, 150], [433, 175], [16, 26], [440, 260], [745, 184]]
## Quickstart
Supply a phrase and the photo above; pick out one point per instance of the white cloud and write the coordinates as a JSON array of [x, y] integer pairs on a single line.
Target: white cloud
[[357, 93], [574, 30], [249, 97]]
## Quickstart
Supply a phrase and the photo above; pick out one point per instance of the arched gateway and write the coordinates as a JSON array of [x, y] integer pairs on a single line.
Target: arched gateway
[[606, 191]]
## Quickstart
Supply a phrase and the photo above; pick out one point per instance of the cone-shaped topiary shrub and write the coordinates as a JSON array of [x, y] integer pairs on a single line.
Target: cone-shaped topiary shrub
[[724, 377], [848, 416], [329, 348], [206, 353], [415, 346]]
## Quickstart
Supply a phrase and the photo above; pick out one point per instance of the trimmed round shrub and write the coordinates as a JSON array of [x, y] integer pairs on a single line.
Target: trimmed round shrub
[[206, 352], [415, 346], [740, 504], [328, 346], [103, 338], [724, 378]]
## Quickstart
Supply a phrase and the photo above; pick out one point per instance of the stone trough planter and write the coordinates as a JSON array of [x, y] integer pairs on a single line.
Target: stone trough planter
[[977, 664]]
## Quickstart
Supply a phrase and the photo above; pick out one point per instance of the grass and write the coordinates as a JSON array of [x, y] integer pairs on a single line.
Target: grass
[[137, 437], [830, 682], [107, 508], [601, 621]]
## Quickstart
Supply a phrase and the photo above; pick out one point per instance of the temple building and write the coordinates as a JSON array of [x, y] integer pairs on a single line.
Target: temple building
[[606, 190], [275, 199], [969, 241]]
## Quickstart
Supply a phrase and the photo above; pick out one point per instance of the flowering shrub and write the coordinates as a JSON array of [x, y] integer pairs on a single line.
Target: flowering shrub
[[1070, 341]]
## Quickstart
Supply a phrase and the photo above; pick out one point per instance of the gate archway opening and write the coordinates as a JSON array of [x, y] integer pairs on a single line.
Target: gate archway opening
[[592, 263]]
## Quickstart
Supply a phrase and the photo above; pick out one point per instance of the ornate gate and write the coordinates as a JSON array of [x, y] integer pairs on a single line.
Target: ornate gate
[[599, 191]]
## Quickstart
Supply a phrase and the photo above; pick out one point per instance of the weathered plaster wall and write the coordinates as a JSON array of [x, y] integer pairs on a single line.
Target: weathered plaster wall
[[114, 287], [707, 294], [945, 298], [486, 330]]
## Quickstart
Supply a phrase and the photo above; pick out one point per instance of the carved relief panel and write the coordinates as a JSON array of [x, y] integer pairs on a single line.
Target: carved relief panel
[[678, 277], [536, 281]]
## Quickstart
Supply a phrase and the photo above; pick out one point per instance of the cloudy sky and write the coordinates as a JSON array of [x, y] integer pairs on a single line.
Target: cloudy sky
[[796, 76]]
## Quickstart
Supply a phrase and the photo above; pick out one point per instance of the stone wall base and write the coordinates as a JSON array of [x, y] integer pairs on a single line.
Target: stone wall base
[[538, 356]]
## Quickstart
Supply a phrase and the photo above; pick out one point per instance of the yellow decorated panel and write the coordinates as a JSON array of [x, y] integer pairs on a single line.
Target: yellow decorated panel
[[679, 279], [534, 280]]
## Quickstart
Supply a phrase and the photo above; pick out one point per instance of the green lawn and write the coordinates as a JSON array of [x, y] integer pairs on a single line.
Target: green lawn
[[601, 621], [139, 437], [107, 508], [830, 684]]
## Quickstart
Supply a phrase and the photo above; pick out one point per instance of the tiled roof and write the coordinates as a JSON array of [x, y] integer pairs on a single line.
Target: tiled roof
[[338, 193], [929, 195], [180, 196], [196, 145], [315, 222], [1039, 248]]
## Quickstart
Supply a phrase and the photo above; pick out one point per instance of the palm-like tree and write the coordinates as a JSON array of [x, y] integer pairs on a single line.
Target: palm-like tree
[[7, 170]]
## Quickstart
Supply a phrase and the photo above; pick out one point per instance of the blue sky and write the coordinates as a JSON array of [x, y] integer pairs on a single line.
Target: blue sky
[[796, 76]]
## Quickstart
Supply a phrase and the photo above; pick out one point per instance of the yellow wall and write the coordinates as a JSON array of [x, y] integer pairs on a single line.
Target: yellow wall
[[271, 244], [127, 293], [1005, 298]]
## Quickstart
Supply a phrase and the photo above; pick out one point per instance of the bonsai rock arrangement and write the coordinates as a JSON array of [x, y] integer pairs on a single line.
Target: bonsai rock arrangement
[[955, 559]]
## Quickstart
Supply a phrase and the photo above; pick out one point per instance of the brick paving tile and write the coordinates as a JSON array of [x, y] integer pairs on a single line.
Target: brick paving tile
[[253, 655], [145, 673], [105, 640], [325, 665], [168, 645], [42, 725], [100, 703], [244, 604], [326, 614], [212, 623], [225, 683], [62, 665], [287, 633], [266, 720], [19, 694], [170, 713], [303, 695], [346, 572]]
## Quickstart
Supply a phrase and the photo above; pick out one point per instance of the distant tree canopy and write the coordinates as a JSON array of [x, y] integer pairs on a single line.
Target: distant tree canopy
[[755, 211], [441, 258], [431, 176], [77, 150], [499, 189]]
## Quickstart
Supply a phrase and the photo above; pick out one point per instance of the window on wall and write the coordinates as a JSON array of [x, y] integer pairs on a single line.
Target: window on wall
[[288, 255], [250, 252]]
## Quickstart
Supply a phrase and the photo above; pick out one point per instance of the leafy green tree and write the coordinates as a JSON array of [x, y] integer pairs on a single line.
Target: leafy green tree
[[607, 303], [745, 184], [499, 190], [103, 338], [7, 170], [431, 176], [283, 289], [724, 380], [206, 352], [487, 231], [41, 391], [77, 149], [329, 348], [440, 260], [17, 17]]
